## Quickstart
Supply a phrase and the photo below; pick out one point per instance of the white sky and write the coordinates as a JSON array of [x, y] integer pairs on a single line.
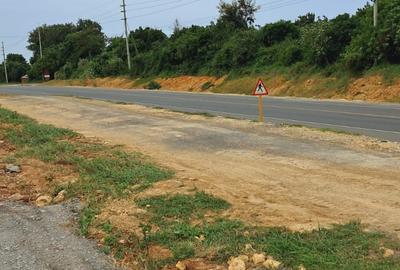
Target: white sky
[[18, 17]]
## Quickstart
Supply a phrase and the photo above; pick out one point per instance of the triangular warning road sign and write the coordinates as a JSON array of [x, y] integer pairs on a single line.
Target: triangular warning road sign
[[260, 89]]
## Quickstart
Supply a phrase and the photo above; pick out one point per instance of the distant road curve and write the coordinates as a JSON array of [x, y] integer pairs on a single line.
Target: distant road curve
[[377, 120]]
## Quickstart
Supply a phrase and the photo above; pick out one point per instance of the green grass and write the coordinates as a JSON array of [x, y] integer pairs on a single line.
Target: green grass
[[104, 171], [183, 206], [341, 247]]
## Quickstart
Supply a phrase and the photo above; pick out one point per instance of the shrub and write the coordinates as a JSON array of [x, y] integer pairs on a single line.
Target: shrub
[[153, 85], [207, 86]]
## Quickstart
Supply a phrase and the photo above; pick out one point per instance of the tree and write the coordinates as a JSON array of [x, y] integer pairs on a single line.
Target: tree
[[304, 20], [51, 35], [239, 13], [16, 68], [278, 32]]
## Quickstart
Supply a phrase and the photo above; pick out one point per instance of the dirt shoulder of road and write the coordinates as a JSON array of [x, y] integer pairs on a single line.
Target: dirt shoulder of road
[[374, 87], [271, 176]]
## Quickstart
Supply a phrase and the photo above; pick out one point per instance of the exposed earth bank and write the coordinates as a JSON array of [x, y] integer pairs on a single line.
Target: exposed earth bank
[[368, 88]]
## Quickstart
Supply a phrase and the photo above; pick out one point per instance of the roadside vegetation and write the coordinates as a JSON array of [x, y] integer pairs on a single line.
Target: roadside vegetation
[[331, 51], [183, 226]]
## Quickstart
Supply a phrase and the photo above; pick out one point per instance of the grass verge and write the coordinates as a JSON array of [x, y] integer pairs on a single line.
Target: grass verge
[[104, 171]]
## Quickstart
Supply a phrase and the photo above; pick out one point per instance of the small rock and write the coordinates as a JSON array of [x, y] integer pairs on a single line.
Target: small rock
[[258, 258], [43, 201], [248, 247], [236, 264], [17, 197], [181, 265], [301, 267], [10, 168], [244, 258], [60, 197], [271, 264], [387, 253], [1, 141], [122, 241]]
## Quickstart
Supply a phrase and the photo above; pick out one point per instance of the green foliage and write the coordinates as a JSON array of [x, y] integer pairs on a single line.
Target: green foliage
[[207, 85], [16, 68], [153, 85], [183, 206], [239, 13], [277, 32], [240, 50], [231, 45]]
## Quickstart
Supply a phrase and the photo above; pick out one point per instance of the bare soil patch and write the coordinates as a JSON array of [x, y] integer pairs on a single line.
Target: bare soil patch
[[278, 176]]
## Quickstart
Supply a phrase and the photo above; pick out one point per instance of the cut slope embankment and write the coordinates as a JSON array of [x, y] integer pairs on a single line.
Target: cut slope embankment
[[373, 88]]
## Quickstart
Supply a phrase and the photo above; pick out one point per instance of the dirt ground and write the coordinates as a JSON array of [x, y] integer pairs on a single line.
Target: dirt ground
[[273, 176]]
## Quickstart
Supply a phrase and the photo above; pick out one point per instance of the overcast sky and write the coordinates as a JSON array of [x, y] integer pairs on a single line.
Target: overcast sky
[[18, 17]]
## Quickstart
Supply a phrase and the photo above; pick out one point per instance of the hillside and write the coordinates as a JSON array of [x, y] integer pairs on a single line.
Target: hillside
[[380, 85]]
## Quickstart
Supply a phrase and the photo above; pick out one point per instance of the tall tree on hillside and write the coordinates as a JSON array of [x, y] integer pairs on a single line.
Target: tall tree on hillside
[[240, 13]]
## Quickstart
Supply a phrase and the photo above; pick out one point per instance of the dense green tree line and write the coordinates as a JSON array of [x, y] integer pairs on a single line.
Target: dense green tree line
[[231, 44]]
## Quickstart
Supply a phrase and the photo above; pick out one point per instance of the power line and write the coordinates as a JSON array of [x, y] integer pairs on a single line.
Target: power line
[[284, 4], [166, 9], [163, 4]]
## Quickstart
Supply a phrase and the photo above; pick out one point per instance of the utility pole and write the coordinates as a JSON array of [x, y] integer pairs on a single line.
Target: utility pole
[[126, 34], [40, 44], [5, 61], [375, 13]]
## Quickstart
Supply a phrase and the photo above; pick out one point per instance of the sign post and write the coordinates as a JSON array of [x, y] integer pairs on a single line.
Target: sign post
[[260, 90]]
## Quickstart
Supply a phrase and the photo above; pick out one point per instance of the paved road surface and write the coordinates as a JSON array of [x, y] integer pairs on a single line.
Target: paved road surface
[[378, 120], [39, 239]]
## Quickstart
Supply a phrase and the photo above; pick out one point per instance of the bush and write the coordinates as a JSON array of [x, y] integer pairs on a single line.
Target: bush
[[153, 85], [237, 52], [207, 86], [290, 54], [278, 32]]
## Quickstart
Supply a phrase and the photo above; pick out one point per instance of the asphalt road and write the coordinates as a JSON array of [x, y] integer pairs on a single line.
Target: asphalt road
[[377, 120], [39, 239]]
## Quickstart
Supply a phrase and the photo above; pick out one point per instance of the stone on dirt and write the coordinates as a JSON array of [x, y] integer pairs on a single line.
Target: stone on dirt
[[181, 265], [258, 258], [60, 197], [387, 252], [272, 264], [18, 197], [11, 168], [236, 264], [43, 200]]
